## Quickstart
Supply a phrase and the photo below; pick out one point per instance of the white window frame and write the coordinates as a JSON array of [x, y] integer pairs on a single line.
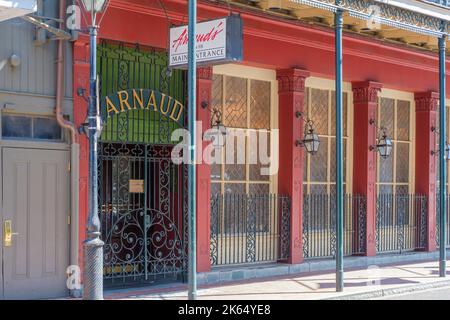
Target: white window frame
[[404, 96], [329, 85], [251, 73]]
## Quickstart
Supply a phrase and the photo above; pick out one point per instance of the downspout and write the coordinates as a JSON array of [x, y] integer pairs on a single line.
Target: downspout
[[74, 147]]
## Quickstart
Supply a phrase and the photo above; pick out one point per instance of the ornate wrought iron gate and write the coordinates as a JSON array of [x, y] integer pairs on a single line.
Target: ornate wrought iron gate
[[142, 198]]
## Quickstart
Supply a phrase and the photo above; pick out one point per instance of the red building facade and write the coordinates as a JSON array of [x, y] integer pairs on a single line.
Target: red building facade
[[297, 60]]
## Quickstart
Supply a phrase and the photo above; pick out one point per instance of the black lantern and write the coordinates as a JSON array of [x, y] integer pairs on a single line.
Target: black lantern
[[311, 140], [447, 146], [384, 146], [218, 135], [218, 132]]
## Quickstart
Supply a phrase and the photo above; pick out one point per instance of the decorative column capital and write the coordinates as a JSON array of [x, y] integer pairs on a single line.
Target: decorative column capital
[[366, 91], [205, 73], [291, 80], [426, 101]]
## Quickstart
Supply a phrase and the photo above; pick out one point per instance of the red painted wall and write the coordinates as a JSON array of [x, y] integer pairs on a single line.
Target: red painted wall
[[292, 44], [81, 80]]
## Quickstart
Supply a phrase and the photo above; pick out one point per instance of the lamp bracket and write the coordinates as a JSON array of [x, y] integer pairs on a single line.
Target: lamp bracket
[[298, 114], [436, 152], [81, 92], [299, 143]]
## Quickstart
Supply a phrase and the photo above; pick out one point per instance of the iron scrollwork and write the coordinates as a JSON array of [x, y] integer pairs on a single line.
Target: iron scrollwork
[[305, 229], [251, 229], [285, 237]]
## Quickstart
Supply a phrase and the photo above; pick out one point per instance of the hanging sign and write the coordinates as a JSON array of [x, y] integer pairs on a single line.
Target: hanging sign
[[218, 41], [142, 99]]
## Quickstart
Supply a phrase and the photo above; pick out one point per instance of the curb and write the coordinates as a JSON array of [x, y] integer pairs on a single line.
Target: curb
[[392, 291], [226, 275]]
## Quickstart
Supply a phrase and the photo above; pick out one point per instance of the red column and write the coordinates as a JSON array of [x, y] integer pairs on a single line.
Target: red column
[[291, 96], [365, 101], [81, 81], [204, 88], [426, 105]]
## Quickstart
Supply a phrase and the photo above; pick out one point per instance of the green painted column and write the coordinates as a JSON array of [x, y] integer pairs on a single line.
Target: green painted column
[[338, 25], [442, 157], [192, 205]]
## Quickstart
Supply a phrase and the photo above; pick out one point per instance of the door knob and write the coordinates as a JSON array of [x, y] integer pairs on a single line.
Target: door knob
[[7, 233]]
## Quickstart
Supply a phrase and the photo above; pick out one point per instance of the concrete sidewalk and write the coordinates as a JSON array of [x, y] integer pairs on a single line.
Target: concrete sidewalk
[[362, 283]]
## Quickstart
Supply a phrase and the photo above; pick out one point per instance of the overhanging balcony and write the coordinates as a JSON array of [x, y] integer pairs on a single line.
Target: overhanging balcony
[[16, 8], [410, 22]]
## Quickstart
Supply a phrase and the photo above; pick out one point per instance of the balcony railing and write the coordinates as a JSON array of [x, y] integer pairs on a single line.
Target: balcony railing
[[319, 225], [440, 2], [249, 229], [401, 222]]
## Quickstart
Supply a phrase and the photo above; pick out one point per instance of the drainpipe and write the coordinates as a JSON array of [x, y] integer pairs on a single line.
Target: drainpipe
[[74, 147]]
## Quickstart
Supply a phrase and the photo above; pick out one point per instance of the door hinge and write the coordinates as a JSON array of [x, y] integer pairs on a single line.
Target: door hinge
[[68, 219], [68, 167]]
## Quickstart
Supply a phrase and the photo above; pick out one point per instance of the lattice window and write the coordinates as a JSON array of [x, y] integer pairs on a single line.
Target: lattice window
[[319, 174], [394, 172], [246, 107]]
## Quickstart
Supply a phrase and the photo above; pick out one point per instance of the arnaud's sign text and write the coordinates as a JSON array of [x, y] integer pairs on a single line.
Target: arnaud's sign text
[[142, 99], [217, 41]]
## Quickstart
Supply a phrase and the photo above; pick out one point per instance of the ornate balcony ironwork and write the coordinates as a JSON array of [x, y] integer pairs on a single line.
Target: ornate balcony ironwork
[[249, 228], [401, 222], [438, 219], [319, 225]]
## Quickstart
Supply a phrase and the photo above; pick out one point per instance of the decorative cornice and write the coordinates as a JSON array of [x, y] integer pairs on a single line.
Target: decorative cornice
[[291, 80], [388, 14], [205, 73], [366, 92], [426, 101]]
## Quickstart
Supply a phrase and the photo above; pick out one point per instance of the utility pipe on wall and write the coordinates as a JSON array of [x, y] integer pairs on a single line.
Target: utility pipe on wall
[[75, 147]]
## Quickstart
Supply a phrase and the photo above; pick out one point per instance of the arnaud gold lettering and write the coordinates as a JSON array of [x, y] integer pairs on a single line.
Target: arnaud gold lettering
[[161, 103], [138, 98], [123, 100], [134, 99], [179, 106], [165, 110], [152, 101], [110, 106]]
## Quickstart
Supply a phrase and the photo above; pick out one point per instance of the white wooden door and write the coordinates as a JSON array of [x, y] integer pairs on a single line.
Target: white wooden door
[[35, 202]]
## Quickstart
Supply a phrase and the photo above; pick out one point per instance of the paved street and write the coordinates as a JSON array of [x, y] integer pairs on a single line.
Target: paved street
[[432, 294], [366, 283]]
